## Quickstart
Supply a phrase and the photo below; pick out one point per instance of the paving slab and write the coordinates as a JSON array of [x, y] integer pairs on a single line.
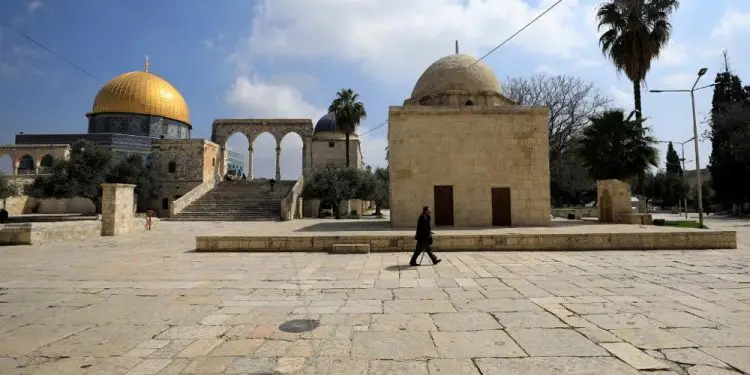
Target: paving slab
[[146, 303], [555, 342]]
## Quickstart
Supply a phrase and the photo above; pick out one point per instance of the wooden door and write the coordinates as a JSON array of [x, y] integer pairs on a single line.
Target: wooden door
[[501, 207], [443, 206]]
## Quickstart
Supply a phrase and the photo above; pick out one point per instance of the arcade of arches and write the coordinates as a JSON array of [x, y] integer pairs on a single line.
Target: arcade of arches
[[33, 159], [222, 130]]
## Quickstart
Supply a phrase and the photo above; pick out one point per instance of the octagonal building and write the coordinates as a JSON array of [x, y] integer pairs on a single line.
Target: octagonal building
[[459, 146]]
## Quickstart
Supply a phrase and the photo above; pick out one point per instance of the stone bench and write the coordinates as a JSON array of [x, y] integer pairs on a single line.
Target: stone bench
[[350, 248]]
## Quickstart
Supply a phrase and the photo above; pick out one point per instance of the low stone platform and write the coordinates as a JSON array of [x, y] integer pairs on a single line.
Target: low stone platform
[[581, 236], [36, 233]]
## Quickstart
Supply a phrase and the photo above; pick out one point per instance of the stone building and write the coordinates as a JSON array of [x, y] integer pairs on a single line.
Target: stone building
[[458, 145], [328, 149]]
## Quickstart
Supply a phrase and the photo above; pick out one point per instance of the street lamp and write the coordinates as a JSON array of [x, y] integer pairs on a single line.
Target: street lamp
[[698, 177], [682, 159]]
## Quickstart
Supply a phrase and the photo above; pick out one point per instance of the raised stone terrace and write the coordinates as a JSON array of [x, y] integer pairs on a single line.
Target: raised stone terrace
[[147, 304]]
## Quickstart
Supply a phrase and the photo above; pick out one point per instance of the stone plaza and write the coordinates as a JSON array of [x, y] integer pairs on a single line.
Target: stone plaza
[[147, 303]]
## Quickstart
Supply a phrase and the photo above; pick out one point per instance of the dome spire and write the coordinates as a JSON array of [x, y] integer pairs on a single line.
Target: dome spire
[[146, 64]]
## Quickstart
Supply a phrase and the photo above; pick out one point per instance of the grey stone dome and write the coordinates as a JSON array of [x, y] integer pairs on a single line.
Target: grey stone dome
[[456, 73], [327, 123]]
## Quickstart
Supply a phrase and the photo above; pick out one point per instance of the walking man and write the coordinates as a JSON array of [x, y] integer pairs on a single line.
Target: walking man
[[424, 238]]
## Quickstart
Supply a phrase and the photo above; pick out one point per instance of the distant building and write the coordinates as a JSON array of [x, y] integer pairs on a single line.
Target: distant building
[[236, 163], [691, 179]]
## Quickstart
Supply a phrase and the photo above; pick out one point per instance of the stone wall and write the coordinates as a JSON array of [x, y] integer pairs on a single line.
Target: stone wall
[[193, 162], [330, 150], [24, 205], [474, 149], [682, 240], [39, 233]]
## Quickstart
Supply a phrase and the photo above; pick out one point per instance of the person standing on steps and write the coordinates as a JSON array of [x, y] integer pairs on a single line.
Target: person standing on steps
[[272, 182], [424, 238]]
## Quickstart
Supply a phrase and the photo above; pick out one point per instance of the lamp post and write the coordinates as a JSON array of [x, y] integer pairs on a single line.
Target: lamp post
[[682, 159], [698, 177]]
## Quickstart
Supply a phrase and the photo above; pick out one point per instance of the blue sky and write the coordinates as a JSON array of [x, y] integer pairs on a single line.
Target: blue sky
[[287, 58]]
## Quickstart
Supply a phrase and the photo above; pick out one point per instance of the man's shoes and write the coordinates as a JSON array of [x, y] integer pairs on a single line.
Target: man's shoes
[[435, 263], [413, 264]]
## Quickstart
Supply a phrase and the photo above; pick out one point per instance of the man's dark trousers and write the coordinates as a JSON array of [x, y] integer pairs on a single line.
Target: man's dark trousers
[[422, 246]]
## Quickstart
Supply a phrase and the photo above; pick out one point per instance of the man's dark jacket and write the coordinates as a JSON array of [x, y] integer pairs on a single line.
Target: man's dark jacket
[[424, 231]]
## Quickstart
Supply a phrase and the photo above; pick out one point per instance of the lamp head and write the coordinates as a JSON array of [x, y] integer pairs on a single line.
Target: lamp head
[[702, 72]]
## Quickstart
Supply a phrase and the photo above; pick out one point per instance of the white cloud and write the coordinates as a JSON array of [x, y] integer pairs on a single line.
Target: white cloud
[[621, 98], [674, 55], [394, 40], [545, 69], [34, 5], [731, 24], [678, 81], [251, 96]]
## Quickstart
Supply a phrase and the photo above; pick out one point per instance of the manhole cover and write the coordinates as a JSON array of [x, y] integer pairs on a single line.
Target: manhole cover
[[299, 325]]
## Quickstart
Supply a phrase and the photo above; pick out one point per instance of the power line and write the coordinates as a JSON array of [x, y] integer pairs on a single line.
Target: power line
[[42, 46], [384, 123], [517, 32]]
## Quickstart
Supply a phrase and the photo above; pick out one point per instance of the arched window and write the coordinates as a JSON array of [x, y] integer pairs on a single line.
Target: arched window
[[213, 162], [469, 102], [172, 167], [46, 163], [26, 165]]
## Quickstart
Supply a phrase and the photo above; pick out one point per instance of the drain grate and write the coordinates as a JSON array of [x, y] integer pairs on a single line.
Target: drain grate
[[299, 325]]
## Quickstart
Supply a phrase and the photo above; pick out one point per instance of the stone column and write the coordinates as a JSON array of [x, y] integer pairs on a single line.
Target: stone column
[[250, 163], [117, 209], [278, 163], [305, 157]]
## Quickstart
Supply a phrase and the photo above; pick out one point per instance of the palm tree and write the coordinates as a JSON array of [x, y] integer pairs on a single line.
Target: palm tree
[[612, 147], [636, 33], [348, 113]]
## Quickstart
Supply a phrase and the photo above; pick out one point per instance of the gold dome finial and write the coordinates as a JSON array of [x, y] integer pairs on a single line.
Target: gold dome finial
[[145, 68]]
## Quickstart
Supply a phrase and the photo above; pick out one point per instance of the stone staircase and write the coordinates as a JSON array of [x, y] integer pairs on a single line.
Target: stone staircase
[[238, 201]]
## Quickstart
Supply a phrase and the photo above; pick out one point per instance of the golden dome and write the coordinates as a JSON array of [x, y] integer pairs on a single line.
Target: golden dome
[[142, 93], [456, 73]]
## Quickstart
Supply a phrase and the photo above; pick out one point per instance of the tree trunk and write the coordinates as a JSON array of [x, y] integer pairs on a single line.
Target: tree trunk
[[347, 150], [377, 210], [336, 210], [637, 100]]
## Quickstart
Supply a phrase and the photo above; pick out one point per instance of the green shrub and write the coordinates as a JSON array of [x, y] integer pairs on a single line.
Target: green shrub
[[660, 222]]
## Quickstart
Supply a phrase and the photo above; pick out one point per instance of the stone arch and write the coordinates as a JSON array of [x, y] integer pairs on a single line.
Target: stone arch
[[237, 146], [45, 163], [264, 147], [291, 145], [6, 163], [26, 164], [222, 129]]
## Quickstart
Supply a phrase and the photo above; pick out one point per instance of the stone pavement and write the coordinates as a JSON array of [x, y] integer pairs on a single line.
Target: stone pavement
[[146, 304]]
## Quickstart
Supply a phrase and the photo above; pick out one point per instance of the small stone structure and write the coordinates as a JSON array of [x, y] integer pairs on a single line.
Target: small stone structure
[[613, 199], [184, 165], [459, 146], [615, 206], [117, 209]]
